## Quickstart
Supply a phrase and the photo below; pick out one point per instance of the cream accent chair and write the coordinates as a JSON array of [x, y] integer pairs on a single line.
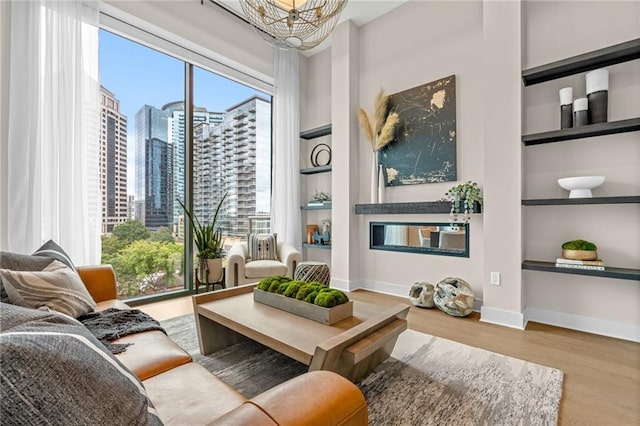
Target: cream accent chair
[[239, 271]]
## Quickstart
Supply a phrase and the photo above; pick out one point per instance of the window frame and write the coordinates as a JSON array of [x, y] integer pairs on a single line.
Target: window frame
[[146, 34]]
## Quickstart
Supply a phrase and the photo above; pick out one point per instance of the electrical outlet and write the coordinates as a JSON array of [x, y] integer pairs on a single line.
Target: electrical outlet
[[495, 278]]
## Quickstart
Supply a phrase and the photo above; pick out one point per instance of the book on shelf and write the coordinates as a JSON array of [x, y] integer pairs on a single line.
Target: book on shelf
[[583, 267], [597, 262], [318, 203]]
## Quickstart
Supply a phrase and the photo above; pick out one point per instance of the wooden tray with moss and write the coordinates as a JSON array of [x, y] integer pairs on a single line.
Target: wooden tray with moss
[[579, 250], [314, 301]]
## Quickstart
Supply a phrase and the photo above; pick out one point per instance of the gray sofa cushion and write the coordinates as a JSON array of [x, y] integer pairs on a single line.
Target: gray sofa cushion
[[56, 287], [40, 259], [55, 372]]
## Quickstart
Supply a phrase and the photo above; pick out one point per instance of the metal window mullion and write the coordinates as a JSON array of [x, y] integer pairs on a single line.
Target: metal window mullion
[[188, 172]]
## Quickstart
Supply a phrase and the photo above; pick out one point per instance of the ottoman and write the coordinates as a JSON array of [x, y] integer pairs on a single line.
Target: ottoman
[[312, 271]]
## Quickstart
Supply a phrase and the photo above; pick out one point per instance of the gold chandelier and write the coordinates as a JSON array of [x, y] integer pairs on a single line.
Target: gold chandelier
[[302, 24]]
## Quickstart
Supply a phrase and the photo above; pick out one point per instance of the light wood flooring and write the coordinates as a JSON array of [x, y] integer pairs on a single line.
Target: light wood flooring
[[602, 374]]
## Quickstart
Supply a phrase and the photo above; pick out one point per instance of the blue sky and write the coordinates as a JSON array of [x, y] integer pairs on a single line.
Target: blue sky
[[138, 75]]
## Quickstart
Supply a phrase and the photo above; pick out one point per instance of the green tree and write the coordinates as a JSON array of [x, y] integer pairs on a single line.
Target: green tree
[[162, 235], [111, 246], [145, 266], [130, 231]]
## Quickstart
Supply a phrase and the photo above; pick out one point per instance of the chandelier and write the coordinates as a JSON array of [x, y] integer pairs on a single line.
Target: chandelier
[[302, 24]]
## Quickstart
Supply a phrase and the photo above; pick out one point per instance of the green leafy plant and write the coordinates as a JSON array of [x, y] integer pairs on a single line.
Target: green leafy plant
[[207, 237], [462, 198], [579, 245]]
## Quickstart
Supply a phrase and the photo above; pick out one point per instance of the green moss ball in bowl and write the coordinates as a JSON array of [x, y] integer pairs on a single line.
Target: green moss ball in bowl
[[579, 250]]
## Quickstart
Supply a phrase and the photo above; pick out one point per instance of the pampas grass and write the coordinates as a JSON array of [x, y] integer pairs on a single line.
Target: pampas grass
[[382, 131]]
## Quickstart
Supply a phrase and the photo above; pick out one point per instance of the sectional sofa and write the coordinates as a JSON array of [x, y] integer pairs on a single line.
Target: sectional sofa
[[176, 389]]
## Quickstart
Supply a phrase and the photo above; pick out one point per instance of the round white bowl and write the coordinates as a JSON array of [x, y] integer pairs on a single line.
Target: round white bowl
[[581, 186]]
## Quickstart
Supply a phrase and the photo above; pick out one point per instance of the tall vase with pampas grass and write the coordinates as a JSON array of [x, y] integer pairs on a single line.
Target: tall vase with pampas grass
[[379, 133]]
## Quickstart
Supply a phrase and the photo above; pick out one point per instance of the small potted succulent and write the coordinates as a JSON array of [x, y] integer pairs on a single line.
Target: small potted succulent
[[463, 198]]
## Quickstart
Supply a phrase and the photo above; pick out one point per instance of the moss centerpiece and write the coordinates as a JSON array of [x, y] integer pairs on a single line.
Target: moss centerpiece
[[313, 300], [579, 250]]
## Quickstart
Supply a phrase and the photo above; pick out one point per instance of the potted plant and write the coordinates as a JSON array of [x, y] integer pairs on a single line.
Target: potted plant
[[579, 250], [208, 240], [463, 198]]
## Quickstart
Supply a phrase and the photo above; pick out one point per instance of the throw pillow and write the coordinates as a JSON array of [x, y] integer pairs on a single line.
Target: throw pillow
[[55, 372], [56, 287], [19, 262], [263, 246], [53, 251]]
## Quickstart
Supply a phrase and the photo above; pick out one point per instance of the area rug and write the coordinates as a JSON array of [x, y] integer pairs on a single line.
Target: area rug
[[427, 381]]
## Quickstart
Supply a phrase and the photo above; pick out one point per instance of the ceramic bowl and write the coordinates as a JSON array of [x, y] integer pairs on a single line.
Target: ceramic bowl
[[581, 186], [580, 254]]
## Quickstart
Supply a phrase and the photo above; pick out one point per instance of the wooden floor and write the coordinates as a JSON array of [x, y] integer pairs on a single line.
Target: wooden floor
[[602, 374]]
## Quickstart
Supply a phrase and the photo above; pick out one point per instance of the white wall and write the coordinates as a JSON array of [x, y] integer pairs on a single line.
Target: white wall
[[486, 47], [398, 51], [555, 30]]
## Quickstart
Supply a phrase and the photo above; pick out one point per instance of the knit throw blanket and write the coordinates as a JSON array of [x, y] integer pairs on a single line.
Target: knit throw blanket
[[112, 324]]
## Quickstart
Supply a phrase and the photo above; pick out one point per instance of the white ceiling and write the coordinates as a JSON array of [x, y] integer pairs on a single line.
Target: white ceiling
[[359, 11]]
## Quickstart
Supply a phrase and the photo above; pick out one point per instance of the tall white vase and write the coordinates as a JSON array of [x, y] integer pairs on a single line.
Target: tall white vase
[[374, 178], [380, 185]]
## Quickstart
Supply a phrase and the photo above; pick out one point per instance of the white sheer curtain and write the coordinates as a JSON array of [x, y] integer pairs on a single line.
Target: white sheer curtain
[[285, 201], [53, 142]]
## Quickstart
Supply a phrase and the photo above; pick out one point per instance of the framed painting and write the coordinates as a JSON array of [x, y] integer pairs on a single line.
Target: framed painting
[[424, 148]]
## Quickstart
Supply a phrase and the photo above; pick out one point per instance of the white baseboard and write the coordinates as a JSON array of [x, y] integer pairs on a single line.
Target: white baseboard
[[385, 288], [345, 285], [619, 330], [501, 317]]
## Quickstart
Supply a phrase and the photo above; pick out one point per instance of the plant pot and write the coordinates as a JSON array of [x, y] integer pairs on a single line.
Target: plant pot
[[210, 270], [303, 309], [579, 254]]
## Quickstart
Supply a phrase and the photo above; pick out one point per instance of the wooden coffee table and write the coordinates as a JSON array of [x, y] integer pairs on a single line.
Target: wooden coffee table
[[352, 347]]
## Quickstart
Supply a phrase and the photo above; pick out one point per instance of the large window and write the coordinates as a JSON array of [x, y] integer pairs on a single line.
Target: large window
[[145, 167]]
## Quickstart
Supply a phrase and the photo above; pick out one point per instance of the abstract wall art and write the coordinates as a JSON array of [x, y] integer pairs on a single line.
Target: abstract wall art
[[424, 147]]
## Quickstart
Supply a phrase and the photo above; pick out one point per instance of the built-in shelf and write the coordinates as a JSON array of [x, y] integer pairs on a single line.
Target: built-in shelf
[[611, 55], [317, 246], [629, 199], [315, 208], [317, 132], [609, 272], [426, 207], [591, 130], [314, 170]]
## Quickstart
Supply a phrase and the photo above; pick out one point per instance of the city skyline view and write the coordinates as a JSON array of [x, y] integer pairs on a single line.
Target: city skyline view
[[138, 75]]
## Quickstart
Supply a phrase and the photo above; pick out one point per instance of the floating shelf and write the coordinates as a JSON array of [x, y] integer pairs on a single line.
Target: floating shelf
[[317, 132], [600, 129], [315, 170], [611, 55], [315, 208], [609, 272], [427, 207], [317, 246], [629, 199]]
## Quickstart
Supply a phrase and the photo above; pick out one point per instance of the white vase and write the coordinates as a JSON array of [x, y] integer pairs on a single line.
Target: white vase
[[380, 185], [215, 270], [374, 178]]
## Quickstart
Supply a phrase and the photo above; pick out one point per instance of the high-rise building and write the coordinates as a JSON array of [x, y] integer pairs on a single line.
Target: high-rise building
[[154, 169], [234, 157], [176, 138], [113, 162]]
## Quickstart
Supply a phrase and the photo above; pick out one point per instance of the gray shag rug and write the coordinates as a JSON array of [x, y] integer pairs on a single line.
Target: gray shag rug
[[427, 381]]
